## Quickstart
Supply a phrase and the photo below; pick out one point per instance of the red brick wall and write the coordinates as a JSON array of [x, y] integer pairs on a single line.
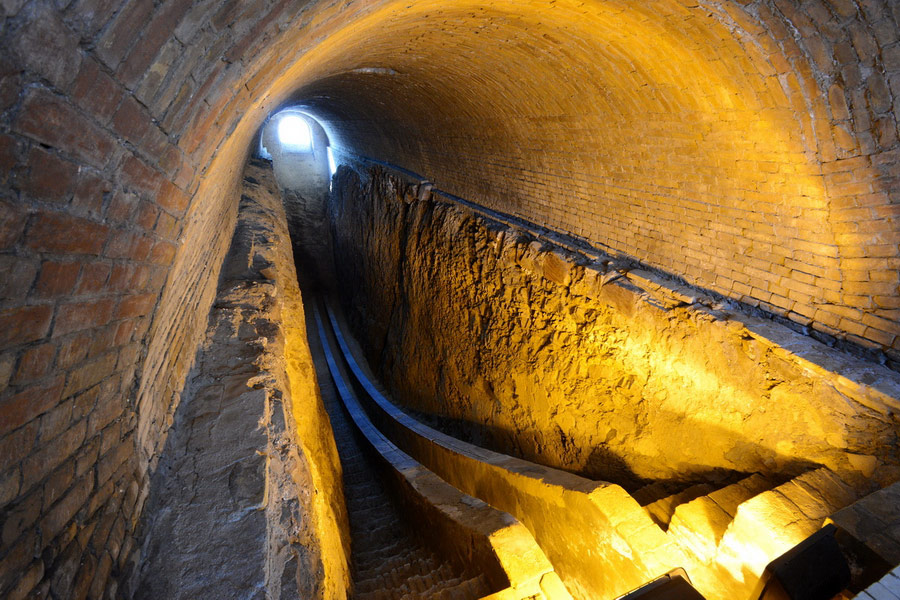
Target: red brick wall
[[748, 146]]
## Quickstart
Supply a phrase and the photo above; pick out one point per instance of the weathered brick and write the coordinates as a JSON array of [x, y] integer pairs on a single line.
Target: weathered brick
[[56, 420], [73, 350], [116, 536], [147, 216], [18, 444], [7, 362], [82, 315], [165, 19], [132, 121], [35, 363], [10, 81], [113, 459], [168, 227], [128, 356], [94, 276], [9, 484], [84, 403], [122, 208], [29, 580], [104, 568], [57, 484], [124, 332], [64, 563], [46, 46], [18, 275], [51, 454], [56, 279], [88, 16], [170, 161], [109, 407], [24, 514], [102, 340], [136, 306], [12, 222], [140, 177], [51, 120], [50, 178], [24, 324], [163, 253], [120, 35], [82, 584], [87, 457], [9, 150], [52, 232], [89, 195], [128, 244], [17, 559], [173, 199], [91, 373], [57, 518], [96, 91]]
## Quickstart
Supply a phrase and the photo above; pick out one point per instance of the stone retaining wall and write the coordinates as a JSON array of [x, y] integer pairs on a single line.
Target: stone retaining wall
[[581, 364]]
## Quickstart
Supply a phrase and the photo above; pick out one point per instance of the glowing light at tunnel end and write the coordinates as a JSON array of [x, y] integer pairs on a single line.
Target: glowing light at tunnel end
[[294, 133]]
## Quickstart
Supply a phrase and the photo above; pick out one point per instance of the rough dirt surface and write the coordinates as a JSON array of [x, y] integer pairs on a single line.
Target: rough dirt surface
[[246, 502], [580, 364]]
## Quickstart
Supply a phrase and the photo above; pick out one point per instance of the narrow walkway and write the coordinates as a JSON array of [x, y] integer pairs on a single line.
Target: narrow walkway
[[388, 560]]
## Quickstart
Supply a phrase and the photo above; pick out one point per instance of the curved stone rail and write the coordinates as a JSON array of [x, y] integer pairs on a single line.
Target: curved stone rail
[[472, 531], [598, 538], [604, 543]]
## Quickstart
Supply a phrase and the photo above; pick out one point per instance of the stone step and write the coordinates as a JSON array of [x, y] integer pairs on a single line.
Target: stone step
[[874, 521], [698, 526], [661, 510], [774, 521], [389, 561], [657, 490]]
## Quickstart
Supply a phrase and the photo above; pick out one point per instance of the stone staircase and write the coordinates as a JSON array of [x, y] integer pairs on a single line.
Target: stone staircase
[[723, 534], [389, 561], [699, 524]]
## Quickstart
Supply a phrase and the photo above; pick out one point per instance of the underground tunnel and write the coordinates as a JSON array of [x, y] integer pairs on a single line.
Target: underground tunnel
[[507, 300]]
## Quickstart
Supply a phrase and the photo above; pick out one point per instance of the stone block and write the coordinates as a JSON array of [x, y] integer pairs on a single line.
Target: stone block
[[61, 233], [46, 46], [35, 363], [121, 34], [49, 455], [48, 119], [56, 279], [24, 407], [50, 178], [79, 316]]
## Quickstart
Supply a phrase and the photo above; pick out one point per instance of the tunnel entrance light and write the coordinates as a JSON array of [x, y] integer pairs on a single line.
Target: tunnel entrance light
[[332, 166], [294, 133]]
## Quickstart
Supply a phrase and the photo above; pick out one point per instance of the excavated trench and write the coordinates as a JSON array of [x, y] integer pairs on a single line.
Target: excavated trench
[[471, 324], [389, 557]]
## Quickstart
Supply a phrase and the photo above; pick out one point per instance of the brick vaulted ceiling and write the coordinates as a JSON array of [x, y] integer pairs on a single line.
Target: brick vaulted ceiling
[[748, 146]]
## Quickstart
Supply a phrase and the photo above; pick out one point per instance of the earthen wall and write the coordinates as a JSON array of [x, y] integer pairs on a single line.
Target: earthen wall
[[587, 364]]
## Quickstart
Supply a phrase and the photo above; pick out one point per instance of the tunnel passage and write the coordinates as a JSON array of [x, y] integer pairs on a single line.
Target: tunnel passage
[[746, 147]]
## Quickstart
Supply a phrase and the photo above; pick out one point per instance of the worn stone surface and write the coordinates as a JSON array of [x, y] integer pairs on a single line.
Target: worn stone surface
[[570, 363], [246, 501]]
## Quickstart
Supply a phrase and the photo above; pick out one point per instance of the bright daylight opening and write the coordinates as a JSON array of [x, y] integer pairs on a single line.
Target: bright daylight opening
[[294, 133]]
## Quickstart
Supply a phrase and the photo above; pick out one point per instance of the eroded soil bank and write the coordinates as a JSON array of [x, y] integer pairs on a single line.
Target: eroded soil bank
[[584, 364], [247, 499]]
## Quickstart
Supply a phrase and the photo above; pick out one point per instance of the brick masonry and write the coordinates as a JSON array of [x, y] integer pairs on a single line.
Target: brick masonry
[[749, 146]]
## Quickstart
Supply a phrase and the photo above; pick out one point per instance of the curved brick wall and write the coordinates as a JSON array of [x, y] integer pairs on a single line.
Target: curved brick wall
[[747, 146]]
